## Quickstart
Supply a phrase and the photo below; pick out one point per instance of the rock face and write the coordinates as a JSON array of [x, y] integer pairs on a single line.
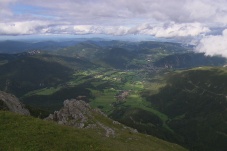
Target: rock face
[[11, 103], [79, 114], [74, 113]]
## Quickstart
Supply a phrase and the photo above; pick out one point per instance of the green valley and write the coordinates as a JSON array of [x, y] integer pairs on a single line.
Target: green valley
[[160, 89]]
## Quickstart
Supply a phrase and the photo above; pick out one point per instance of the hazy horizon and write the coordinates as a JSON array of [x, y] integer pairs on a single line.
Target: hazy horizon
[[199, 22]]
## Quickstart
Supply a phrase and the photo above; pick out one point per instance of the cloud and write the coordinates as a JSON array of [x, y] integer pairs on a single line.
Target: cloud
[[207, 11], [5, 11], [198, 21], [123, 11], [164, 30], [172, 30], [161, 31], [179, 19], [109, 30], [214, 45], [23, 28]]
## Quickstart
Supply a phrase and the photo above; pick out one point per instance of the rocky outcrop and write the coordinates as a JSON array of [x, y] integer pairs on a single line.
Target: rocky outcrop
[[11, 103], [79, 114]]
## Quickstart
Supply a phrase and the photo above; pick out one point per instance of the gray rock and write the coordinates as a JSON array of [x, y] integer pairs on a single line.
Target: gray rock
[[13, 104], [79, 114], [74, 113]]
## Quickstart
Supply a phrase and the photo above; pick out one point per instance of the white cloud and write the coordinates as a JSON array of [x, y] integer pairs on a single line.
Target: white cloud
[[109, 30], [120, 12], [26, 27], [214, 45], [173, 30], [159, 18], [164, 30], [82, 29], [161, 30]]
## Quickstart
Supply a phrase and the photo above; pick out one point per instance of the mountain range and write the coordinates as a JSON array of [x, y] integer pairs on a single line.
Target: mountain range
[[158, 88]]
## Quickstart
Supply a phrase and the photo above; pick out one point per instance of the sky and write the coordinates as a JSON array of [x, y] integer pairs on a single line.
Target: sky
[[199, 22]]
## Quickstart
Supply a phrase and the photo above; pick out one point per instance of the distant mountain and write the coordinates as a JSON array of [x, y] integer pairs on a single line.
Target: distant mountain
[[12, 47], [195, 102], [142, 46], [189, 60], [25, 73], [86, 50], [121, 54], [167, 46], [108, 57], [51, 45], [119, 58]]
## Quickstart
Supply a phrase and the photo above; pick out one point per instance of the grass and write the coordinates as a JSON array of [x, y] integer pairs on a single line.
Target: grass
[[103, 100], [137, 85], [195, 102], [45, 91], [135, 100], [26, 133]]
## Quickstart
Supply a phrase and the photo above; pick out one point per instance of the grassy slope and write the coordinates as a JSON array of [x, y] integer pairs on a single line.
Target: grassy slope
[[195, 101], [26, 73], [30, 73], [26, 133]]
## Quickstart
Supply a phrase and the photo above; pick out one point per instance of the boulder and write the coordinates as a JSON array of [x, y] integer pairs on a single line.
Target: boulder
[[11, 103], [79, 114]]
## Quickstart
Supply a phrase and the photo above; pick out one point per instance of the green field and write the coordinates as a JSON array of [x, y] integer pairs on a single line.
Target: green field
[[104, 84], [26, 133]]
